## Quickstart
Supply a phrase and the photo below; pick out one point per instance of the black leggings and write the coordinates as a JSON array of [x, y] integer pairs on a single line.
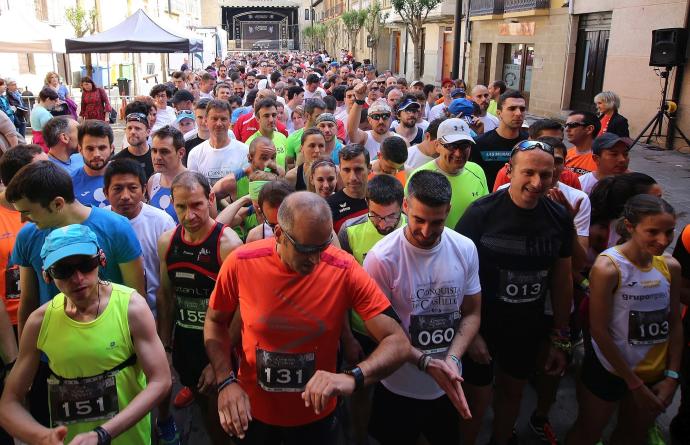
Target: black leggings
[[321, 432]]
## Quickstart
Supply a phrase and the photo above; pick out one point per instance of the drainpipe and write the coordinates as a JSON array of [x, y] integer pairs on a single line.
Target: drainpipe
[[406, 41], [457, 24]]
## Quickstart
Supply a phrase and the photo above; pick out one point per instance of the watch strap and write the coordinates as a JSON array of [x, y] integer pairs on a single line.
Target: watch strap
[[358, 375], [671, 374], [103, 436], [359, 102]]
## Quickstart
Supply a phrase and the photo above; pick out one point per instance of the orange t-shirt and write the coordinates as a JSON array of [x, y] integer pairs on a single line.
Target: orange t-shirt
[[291, 323], [567, 178], [10, 224], [400, 176], [580, 163]]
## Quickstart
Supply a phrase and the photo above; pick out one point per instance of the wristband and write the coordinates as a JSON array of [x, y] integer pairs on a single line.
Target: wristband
[[671, 374], [423, 361], [103, 436], [637, 385], [358, 375], [227, 382], [583, 285], [457, 362], [562, 344], [360, 102]]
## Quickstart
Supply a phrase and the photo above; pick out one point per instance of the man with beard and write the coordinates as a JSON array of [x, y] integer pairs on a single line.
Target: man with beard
[[481, 96], [250, 80], [408, 114], [61, 136], [326, 122], [379, 117], [96, 147], [137, 134], [467, 179], [440, 312], [354, 170]]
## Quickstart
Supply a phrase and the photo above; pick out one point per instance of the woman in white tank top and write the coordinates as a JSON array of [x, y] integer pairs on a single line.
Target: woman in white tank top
[[636, 329]]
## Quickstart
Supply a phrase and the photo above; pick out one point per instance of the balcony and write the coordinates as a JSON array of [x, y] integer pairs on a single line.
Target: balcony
[[525, 5], [486, 7]]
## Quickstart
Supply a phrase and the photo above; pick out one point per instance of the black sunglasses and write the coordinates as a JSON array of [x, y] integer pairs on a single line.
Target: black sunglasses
[[531, 145], [378, 117], [309, 249], [65, 271], [459, 145], [574, 125]]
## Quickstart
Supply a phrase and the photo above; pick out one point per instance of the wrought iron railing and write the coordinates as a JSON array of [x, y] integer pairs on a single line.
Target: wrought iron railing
[[525, 5], [485, 7]]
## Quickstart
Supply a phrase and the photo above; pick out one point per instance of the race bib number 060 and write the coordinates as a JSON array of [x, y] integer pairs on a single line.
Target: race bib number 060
[[522, 286], [82, 400], [433, 333], [283, 372]]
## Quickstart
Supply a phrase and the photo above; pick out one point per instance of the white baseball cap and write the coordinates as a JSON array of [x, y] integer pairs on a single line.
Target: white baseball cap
[[453, 130]]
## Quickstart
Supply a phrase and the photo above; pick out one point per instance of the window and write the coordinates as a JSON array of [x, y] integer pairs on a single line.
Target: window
[[26, 63], [306, 13]]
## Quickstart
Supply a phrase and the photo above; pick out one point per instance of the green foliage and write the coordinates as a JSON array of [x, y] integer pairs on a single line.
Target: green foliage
[[414, 14], [353, 21], [82, 20]]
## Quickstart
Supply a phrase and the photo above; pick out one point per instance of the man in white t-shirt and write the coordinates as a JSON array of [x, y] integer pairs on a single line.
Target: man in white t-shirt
[[219, 157], [124, 186], [431, 276], [481, 96], [610, 154], [312, 88], [422, 153]]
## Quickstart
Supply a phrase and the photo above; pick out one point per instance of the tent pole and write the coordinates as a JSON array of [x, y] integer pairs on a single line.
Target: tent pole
[[135, 82]]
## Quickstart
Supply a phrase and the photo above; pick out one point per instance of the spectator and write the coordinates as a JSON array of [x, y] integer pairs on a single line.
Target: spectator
[[94, 101]]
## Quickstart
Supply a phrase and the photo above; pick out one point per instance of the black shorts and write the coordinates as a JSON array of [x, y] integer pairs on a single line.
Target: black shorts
[[189, 355], [599, 381], [399, 420], [321, 432], [514, 348]]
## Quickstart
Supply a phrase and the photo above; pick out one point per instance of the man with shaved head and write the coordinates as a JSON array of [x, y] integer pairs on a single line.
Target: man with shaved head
[[481, 96], [293, 292]]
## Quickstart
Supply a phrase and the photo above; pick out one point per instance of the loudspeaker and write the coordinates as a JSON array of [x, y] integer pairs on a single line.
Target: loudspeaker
[[668, 47]]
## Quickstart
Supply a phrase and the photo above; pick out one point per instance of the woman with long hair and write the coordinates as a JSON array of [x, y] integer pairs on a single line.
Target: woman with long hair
[[94, 101]]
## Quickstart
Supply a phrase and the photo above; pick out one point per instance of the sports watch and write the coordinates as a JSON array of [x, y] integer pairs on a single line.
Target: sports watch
[[358, 375]]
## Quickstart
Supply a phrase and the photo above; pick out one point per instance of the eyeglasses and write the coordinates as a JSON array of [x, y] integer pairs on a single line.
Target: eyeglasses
[[308, 249], [574, 125], [393, 218], [459, 145], [531, 145], [64, 271], [378, 117]]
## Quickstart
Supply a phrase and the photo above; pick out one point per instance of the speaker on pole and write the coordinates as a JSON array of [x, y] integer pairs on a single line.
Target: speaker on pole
[[668, 47]]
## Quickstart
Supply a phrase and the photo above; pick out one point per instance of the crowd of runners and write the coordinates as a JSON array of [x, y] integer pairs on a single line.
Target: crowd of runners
[[320, 252]]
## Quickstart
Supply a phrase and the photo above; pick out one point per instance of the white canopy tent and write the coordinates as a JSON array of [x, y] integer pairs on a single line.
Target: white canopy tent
[[21, 34]]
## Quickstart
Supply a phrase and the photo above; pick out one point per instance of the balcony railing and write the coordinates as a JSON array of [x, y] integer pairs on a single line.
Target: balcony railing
[[485, 7], [525, 5]]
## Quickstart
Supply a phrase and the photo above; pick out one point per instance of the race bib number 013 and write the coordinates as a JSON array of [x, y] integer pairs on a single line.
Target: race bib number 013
[[82, 400], [283, 372], [648, 328], [191, 312], [522, 286], [433, 333]]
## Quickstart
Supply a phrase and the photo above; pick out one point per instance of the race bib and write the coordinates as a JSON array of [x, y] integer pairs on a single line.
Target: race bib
[[12, 283], [283, 372], [82, 400], [522, 286], [433, 333], [648, 328], [191, 312]]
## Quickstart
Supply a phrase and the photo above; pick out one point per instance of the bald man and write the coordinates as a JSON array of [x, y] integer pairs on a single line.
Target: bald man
[[293, 292], [481, 96]]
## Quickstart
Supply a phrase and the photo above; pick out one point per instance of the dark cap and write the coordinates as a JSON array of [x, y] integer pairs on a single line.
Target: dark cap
[[457, 92], [181, 96], [607, 141]]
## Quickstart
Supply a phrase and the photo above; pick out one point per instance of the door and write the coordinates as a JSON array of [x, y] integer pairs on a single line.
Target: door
[[484, 65], [447, 54], [396, 52], [590, 60], [517, 67]]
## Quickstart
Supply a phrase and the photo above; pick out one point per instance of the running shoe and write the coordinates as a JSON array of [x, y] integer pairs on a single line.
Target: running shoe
[[167, 432], [184, 398], [543, 429]]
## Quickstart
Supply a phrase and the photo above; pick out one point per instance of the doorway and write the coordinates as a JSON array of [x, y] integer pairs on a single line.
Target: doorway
[[484, 65], [590, 60], [517, 67], [395, 53], [447, 53]]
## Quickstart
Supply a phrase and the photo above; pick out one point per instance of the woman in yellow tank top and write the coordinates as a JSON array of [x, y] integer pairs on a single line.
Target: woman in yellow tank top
[[637, 336], [102, 349]]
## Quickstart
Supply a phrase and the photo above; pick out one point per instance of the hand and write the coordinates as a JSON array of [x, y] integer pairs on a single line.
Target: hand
[[234, 410], [207, 380], [478, 351], [352, 350], [665, 390], [558, 196], [361, 91], [90, 438], [477, 125], [324, 385], [556, 362], [448, 378], [54, 436], [647, 401]]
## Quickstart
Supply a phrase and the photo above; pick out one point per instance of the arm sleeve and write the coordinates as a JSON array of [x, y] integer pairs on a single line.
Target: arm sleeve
[[582, 219], [344, 239], [192, 160], [470, 223], [19, 256], [225, 295], [126, 246], [473, 285]]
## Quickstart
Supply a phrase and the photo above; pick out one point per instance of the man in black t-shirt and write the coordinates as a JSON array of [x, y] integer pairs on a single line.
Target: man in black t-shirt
[[354, 170], [524, 241], [492, 149], [137, 133]]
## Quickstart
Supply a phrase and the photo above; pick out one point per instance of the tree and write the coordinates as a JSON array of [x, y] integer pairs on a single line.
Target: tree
[[83, 21], [332, 34], [414, 14], [353, 22], [374, 23], [316, 35]]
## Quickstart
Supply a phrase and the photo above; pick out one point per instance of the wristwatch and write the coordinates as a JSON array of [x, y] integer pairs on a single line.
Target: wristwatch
[[103, 436], [672, 374], [359, 102], [357, 374]]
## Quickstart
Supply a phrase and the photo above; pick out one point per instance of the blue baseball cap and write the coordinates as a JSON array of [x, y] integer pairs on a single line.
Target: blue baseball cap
[[184, 114], [457, 92], [464, 106], [63, 242], [407, 103]]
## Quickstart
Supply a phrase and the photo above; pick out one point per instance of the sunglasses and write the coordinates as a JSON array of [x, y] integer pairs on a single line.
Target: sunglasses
[[574, 124], [65, 271], [460, 145], [531, 145], [378, 117], [309, 249]]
